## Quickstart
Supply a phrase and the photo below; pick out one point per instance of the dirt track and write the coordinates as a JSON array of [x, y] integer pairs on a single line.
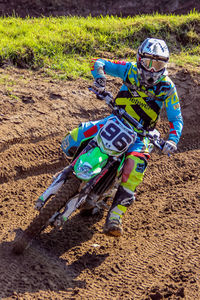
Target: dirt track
[[158, 255]]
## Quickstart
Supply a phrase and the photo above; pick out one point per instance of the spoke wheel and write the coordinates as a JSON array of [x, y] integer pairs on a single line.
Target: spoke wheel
[[68, 190]]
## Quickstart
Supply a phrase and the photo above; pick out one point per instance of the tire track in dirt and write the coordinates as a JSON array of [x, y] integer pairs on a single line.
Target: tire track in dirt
[[6, 145], [24, 160], [156, 262]]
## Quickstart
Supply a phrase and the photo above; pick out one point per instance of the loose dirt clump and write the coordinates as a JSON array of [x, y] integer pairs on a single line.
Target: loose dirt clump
[[158, 255]]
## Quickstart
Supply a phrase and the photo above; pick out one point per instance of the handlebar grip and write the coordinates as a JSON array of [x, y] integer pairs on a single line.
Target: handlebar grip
[[158, 143], [101, 96], [161, 143], [98, 95]]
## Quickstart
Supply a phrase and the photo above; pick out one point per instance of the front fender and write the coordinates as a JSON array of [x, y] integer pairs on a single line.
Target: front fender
[[90, 164]]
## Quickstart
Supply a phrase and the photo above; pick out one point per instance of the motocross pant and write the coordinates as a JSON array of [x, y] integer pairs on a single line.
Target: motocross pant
[[134, 167]]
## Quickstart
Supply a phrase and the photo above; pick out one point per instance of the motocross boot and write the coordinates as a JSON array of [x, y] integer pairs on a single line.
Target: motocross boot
[[123, 199]]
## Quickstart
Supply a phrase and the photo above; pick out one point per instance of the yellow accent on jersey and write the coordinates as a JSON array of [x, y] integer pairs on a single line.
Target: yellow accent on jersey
[[74, 134], [141, 102], [128, 108], [147, 109]]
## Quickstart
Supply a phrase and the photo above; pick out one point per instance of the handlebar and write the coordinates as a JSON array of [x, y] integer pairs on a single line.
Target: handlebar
[[120, 112]]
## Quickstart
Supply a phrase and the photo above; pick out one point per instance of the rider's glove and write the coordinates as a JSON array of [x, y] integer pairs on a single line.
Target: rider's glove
[[169, 147], [99, 85]]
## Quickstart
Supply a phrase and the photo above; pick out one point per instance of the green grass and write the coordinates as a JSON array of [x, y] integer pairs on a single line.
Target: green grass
[[63, 46]]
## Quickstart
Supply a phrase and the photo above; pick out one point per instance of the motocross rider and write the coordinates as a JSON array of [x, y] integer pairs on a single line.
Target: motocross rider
[[146, 89]]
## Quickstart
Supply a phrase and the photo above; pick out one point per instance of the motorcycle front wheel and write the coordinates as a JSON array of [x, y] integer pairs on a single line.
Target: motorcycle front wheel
[[68, 190]]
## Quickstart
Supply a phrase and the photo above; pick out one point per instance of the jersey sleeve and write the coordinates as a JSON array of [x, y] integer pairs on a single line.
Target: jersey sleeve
[[100, 67], [174, 115]]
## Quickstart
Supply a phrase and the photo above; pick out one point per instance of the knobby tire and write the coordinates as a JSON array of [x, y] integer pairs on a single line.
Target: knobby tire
[[68, 190]]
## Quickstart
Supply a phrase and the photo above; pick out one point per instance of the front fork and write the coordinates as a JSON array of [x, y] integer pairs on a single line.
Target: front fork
[[59, 218], [60, 179], [54, 187], [79, 200]]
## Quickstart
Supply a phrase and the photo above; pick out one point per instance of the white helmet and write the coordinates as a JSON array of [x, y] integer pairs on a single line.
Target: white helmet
[[152, 58]]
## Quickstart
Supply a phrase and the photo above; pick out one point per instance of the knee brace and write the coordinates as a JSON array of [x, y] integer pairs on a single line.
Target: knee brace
[[133, 172]]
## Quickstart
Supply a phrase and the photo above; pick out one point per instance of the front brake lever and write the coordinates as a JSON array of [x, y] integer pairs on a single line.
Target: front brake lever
[[99, 96]]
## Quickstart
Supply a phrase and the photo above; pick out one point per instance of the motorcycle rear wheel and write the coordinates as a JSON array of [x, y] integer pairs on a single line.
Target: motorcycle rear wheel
[[68, 190]]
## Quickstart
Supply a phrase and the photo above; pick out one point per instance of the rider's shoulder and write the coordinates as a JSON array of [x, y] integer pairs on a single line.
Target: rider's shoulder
[[166, 80], [166, 84], [131, 68], [133, 64], [166, 87]]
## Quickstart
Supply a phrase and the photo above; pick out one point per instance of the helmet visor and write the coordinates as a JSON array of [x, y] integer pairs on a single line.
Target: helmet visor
[[152, 65]]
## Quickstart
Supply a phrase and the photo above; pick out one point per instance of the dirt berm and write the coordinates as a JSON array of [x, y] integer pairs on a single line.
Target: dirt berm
[[36, 8]]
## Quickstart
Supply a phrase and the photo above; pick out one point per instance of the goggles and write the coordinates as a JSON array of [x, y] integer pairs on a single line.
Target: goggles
[[151, 64]]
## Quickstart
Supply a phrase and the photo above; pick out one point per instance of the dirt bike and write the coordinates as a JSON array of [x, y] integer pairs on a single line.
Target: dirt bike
[[87, 181]]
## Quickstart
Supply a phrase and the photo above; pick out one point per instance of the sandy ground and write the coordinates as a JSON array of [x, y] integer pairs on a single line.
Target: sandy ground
[[158, 255]]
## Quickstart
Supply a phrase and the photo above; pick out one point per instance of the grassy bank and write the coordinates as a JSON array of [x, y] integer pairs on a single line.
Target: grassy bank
[[63, 45]]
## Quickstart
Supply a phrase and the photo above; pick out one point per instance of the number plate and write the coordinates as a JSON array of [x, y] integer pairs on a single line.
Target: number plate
[[115, 137]]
